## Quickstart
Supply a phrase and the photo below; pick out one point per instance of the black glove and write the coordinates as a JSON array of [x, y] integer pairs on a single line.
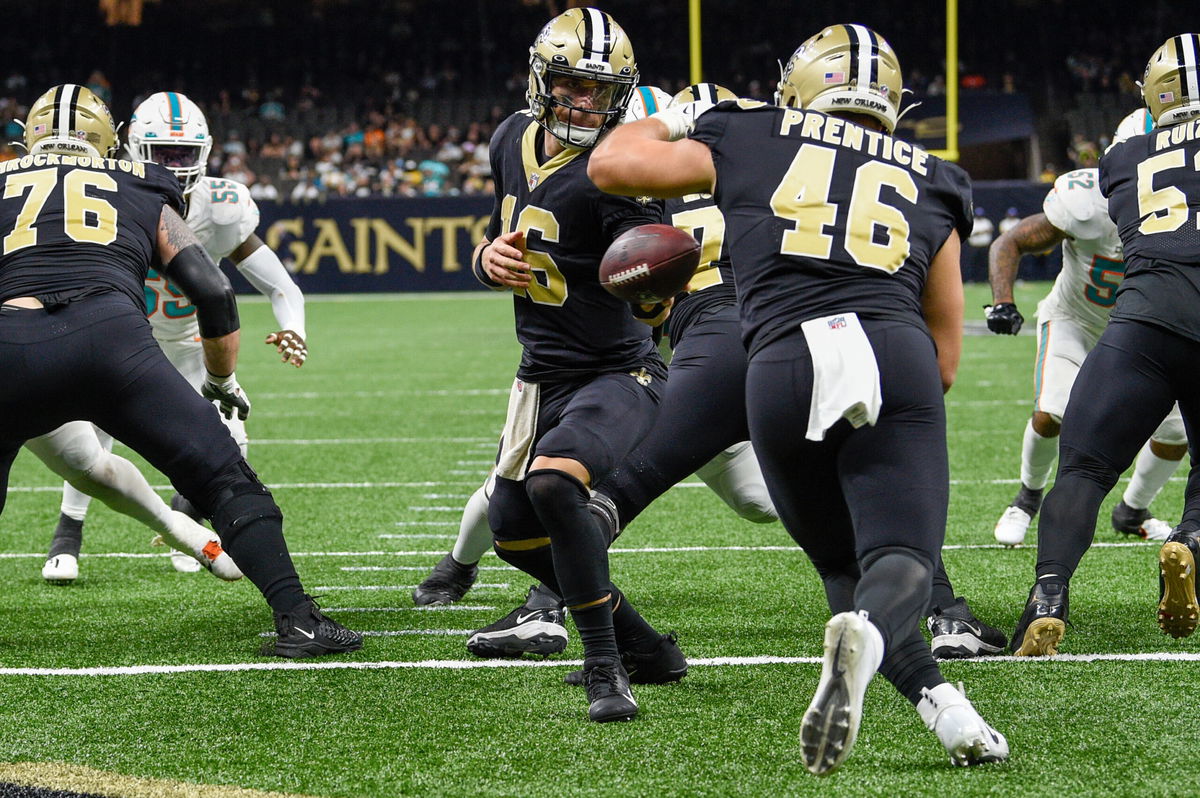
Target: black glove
[[1003, 318]]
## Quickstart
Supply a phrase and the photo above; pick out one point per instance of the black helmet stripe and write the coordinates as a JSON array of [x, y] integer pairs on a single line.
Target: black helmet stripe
[[597, 34], [1186, 55], [65, 99], [864, 55]]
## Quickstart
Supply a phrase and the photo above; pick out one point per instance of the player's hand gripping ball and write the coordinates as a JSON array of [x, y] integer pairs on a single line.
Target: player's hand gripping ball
[[649, 264]]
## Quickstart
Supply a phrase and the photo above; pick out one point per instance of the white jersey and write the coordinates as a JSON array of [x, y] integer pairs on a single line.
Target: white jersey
[[222, 215], [1093, 263]]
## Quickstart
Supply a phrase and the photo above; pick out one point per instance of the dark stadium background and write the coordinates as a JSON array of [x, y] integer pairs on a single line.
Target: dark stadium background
[[388, 99]]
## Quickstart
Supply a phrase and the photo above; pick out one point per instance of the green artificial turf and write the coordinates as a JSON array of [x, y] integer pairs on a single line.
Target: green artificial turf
[[386, 430]]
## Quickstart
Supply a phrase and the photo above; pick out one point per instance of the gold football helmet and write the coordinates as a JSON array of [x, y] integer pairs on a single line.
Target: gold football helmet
[[847, 68], [709, 93], [582, 44], [70, 120], [1171, 84]]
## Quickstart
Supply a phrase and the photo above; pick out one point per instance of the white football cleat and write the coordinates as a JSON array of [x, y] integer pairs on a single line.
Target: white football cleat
[[1013, 524], [853, 651], [184, 563], [967, 737], [202, 544], [61, 569]]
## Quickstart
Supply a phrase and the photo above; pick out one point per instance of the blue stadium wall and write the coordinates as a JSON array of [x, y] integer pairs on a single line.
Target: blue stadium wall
[[375, 245]]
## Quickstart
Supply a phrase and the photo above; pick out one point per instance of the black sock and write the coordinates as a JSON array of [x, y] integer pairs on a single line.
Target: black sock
[[910, 666], [1029, 500], [943, 592], [595, 625], [68, 536]]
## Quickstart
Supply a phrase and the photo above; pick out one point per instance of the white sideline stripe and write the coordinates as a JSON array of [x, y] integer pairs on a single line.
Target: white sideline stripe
[[356, 441], [415, 568], [417, 536], [327, 588], [445, 496], [277, 486], [455, 664], [427, 523], [645, 550], [379, 394], [436, 509], [455, 483]]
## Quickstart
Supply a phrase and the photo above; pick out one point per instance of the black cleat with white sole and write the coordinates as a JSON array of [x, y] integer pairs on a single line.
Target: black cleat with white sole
[[956, 633], [536, 627]]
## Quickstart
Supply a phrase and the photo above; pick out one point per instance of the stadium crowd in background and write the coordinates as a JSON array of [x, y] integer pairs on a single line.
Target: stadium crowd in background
[[382, 107]]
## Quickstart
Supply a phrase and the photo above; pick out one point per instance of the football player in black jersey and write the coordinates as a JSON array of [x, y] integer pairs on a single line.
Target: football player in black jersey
[[590, 377], [80, 229], [845, 247], [1152, 340]]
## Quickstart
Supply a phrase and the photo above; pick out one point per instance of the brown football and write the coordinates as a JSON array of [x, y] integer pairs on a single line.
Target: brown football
[[649, 263]]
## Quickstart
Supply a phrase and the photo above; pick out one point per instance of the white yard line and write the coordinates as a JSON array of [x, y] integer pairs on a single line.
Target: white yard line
[[640, 550], [454, 664]]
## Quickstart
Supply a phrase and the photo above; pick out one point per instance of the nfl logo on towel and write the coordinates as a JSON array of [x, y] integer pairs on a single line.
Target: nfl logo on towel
[[835, 77], [837, 322]]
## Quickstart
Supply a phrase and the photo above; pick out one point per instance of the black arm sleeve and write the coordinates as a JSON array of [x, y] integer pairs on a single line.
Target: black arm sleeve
[[203, 282]]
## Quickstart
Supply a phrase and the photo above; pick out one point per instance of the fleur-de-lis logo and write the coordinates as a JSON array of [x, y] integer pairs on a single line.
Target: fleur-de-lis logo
[[642, 376]]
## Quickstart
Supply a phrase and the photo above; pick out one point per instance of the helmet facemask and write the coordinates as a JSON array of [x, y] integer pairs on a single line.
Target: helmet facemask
[[169, 129], [581, 76]]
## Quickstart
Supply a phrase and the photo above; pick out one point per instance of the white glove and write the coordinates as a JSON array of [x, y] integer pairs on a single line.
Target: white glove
[[227, 392], [681, 119]]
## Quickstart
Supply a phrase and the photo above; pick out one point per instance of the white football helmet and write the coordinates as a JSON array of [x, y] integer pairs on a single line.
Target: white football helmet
[[646, 100], [170, 130], [1135, 124]]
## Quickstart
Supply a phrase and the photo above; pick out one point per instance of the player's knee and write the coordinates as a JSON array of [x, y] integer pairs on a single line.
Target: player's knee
[[756, 507], [1046, 425], [901, 558], [548, 487], [235, 513], [1075, 463]]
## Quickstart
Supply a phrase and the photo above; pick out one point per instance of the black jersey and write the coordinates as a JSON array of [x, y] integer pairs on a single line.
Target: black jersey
[[568, 325], [76, 226], [824, 216], [712, 285], [1153, 189]]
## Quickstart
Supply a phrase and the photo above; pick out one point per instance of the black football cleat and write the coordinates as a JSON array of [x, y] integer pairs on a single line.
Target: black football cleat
[[308, 632], [1044, 621], [609, 696], [535, 627], [663, 665], [956, 633], [1177, 607], [447, 583], [1138, 523]]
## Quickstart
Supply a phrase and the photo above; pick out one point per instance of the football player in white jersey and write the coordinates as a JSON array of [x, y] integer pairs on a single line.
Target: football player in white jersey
[[1070, 320], [171, 130]]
